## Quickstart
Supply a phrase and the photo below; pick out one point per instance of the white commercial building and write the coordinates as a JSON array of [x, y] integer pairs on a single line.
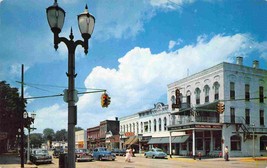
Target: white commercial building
[[81, 139], [147, 129], [241, 126]]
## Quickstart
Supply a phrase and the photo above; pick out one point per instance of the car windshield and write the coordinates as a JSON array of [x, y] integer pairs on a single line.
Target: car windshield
[[83, 150], [158, 150], [41, 152], [102, 149]]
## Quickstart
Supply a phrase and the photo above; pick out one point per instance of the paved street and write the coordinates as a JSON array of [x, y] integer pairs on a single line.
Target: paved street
[[13, 161]]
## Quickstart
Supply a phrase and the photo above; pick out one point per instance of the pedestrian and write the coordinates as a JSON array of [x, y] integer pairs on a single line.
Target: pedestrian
[[226, 153], [128, 157], [133, 152]]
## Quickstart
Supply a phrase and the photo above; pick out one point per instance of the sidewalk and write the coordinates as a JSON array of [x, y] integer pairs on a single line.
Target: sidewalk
[[12, 160]]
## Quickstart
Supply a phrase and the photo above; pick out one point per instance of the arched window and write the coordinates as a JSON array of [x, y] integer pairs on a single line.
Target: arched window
[[159, 124], [127, 128], [137, 127], [124, 128], [216, 90], [155, 125], [165, 123], [263, 143], [149, 125], [142, 127], [235, 143], [188, 98], [133, 127], [207, 92], [197, 92], [130, 127]]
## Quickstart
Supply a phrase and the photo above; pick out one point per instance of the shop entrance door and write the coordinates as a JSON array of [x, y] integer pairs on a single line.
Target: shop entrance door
[[207, 146]]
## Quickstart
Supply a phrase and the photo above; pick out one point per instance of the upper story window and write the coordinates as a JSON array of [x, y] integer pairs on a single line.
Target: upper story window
[[261, 117], [216, 91], [188, 98], [142, 127], [247, 116], [165, 124], [232, 90], [159, 124], [149, 126], [261, 94], [137, 127], [247, 93], [133, 127], [197, 92], [130, 127], [155, 125], [207, 91]]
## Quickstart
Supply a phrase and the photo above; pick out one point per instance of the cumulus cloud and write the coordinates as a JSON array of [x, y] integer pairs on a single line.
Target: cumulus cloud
[[142, 77], [54, 116], [173, 43], [170, 4]]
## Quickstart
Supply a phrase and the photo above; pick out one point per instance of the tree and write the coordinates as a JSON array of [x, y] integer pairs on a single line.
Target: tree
[[11, 109], [49, 134], [78, 128], [61, 135], [36, 140]]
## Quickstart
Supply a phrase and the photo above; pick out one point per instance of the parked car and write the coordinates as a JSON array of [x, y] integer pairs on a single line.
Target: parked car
[[83, 155], [155, 153], [116, 151], [40, 156], [101, 153], [57, 152]]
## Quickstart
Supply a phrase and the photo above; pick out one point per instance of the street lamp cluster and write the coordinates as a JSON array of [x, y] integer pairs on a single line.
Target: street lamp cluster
[[86, 23]]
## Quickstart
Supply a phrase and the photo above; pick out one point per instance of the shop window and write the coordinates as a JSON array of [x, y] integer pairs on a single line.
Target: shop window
[[261, 94], [247, 93], [184, 146], [263, 143], [199, 144], [235, 143], [232, 90]]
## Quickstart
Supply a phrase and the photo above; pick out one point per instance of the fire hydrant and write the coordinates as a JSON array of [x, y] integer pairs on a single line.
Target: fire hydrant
[[199, 155]]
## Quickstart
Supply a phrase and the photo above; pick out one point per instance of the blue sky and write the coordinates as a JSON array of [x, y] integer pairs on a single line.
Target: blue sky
[[137, 48]]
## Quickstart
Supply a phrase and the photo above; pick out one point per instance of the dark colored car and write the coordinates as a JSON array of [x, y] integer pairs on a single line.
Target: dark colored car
[[83, 155], [57, 152], [101, 153], [40, 156]]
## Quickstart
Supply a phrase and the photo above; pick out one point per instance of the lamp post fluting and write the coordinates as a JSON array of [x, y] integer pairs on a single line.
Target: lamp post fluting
[[86, 22]]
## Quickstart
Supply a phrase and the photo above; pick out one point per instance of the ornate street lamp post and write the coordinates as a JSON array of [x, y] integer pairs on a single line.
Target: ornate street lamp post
[[86, 22]]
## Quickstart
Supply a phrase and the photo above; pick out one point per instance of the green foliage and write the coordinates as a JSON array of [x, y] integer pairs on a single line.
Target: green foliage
[[48, 134], [36, 140], [61, 135]]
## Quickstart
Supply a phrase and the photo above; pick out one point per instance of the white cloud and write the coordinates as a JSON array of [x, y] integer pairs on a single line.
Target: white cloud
[[142, 77], [172, 43], [54, 117], [170, 4]]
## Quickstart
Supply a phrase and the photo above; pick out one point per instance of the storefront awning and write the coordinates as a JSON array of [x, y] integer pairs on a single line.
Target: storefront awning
[[165, 140], [131, 140], [180, 139]]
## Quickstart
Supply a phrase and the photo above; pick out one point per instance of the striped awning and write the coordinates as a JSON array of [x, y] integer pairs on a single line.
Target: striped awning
[[165, 140]]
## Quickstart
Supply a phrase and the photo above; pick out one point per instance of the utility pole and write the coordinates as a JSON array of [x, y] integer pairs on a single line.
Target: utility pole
[[22, 118]]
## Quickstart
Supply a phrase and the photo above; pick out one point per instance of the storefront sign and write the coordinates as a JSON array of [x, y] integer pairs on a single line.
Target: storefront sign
[[127, 134], [196, 126]]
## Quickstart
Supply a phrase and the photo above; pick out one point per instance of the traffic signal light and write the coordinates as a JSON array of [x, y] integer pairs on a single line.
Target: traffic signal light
[[105, 100], [220, 107]]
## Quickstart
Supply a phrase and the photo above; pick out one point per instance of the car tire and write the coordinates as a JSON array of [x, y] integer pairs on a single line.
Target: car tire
[[100, 158], [145, 155], [153, 157]]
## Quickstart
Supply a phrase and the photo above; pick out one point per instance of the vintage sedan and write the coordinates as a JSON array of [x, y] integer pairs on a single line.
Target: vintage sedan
[[155, 153], [83, 155], [40, 156], [102, 153]]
